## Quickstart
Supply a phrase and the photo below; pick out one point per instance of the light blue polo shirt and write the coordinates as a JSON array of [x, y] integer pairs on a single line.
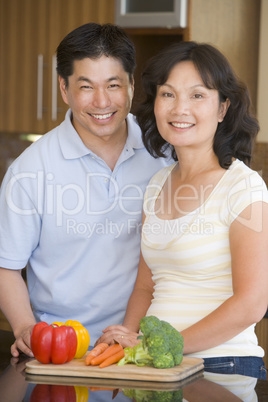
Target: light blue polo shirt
[[77, 224]]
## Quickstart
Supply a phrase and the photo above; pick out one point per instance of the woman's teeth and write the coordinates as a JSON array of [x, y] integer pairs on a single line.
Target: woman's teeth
[[181, 125]]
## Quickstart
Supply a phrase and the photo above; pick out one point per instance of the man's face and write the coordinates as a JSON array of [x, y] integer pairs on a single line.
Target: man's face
[[100, 94]]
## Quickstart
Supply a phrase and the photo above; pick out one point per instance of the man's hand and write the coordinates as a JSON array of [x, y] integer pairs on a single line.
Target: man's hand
[[23, 342], [16, 306]]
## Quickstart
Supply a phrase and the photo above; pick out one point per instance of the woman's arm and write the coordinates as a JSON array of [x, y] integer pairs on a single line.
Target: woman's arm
[[249, 256], [141, 297], [15, 304], [137, 307]]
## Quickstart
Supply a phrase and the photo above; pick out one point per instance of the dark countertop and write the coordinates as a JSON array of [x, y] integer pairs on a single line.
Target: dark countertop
[[17, 386]]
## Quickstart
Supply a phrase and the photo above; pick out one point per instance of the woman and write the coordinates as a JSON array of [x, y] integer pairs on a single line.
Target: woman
[[203, 264]]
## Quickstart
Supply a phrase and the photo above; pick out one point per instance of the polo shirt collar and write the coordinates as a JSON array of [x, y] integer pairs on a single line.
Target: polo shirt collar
[[134, 139], [73, 147]]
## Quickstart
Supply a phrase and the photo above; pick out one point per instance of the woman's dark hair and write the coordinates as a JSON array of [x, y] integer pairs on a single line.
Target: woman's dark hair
[[93, 41], [235, 135]]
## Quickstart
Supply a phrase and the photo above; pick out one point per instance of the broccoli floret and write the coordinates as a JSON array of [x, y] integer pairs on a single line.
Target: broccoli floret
[[137, 355], [161, 345], [175, 342], [154, 396], [148, 324], [157, 342], [168, 396], [139, 395]]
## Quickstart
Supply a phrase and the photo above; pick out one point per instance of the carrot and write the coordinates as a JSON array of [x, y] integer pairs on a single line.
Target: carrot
[[113, 359], [111, 350], [101, 388], [100, 348]]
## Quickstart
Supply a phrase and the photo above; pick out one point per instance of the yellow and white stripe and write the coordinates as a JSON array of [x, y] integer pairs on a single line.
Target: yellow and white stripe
[[190, 256]]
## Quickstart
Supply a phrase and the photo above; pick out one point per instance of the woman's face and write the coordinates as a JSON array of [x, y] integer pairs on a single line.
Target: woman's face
[[187, 112]]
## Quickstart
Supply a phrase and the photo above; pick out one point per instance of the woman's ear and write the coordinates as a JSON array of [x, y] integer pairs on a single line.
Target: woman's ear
[[132, 83], [223, 109]]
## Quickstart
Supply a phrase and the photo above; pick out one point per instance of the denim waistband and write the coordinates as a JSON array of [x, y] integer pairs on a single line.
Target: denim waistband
[[250, 366]]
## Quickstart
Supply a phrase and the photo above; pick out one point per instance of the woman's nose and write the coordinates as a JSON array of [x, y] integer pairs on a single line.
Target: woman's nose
[[181, 106]]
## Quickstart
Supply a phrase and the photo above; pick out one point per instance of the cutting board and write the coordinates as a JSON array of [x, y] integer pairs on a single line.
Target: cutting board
[[77, 368]]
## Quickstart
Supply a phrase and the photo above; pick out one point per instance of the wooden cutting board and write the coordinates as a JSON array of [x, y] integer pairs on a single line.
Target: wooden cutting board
[[113, 383], [77, 368]]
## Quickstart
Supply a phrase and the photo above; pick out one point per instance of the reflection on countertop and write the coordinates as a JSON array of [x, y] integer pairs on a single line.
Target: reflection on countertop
[[16, 386]]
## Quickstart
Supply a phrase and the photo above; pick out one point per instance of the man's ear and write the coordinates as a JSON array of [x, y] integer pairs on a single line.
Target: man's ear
[[63, 89]]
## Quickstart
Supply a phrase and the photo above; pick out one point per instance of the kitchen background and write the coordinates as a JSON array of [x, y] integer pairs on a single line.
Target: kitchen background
[[30, 31]]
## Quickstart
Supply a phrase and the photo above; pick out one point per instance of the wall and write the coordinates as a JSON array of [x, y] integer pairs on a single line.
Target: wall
[[233, 27], [262, 107]]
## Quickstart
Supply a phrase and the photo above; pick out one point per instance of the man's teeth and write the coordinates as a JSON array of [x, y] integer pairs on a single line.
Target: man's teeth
[[181, 125], [102, 116]]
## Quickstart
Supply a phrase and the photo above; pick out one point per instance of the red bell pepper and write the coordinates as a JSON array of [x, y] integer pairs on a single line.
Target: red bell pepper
[[53, 344], [53, 393]]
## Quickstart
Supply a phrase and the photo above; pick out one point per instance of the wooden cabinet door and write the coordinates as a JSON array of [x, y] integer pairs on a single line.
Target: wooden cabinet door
[[30, 31], [22, 25], [66, 15]]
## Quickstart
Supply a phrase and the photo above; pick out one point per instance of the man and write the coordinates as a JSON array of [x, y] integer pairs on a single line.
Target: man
[[71, 204]]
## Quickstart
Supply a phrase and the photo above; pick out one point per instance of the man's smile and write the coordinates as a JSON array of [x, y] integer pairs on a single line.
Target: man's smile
[[102, 116]]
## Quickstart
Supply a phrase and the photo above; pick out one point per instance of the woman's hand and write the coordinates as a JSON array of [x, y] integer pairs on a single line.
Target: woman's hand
[[120, 334]]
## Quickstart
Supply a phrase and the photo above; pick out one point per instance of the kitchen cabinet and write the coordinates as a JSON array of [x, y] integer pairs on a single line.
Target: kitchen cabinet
[[148, 42], [29, 28], [30, 31]]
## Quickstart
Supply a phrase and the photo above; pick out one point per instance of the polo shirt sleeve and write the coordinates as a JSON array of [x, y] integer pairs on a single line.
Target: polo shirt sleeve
[[20, 219]]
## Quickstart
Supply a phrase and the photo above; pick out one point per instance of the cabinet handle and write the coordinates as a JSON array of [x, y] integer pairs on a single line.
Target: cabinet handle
[[40, 68], [54, 102]]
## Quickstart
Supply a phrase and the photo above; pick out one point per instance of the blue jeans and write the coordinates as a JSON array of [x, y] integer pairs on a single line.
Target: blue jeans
[[250, 366]]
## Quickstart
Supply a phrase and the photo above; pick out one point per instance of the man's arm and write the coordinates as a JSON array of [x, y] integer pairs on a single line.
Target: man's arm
[[15, 304]]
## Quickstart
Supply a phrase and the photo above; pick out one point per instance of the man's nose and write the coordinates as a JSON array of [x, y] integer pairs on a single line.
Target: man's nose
[[101, 99]]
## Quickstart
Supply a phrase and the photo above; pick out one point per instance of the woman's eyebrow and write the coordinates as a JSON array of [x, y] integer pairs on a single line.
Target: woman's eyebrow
[[172, 86]]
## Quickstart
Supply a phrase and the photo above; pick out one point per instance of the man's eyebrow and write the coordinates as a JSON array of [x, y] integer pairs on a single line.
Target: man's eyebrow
[[85, 79], [115, 78]]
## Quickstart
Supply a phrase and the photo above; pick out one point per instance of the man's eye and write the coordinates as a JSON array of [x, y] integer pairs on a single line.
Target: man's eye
[[114, 86]]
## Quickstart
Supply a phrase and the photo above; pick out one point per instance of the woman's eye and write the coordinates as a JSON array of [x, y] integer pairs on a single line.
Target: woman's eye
[[166, 94], [198, 96]]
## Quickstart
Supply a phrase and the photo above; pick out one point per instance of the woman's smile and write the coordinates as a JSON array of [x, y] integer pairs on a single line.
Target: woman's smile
[[184, 105]]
